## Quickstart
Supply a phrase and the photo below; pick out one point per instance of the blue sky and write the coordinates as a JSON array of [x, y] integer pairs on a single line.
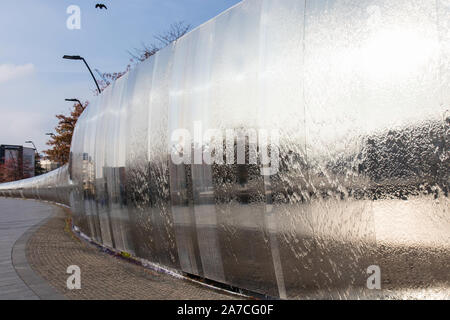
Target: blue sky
[[35, 80]]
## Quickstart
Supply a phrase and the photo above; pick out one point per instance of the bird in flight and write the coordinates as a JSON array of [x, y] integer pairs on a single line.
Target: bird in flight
[[100, 6]]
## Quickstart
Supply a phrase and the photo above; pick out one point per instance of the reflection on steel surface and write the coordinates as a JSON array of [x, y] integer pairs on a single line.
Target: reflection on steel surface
[[359, 91]]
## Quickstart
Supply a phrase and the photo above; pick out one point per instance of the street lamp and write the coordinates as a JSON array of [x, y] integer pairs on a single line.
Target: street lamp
[[74, 100], [50, 134], [35, 149], [90, 71], [38, 156]]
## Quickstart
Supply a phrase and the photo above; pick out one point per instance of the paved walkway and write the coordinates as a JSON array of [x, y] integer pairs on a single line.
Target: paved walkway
[[49, 248], [17, 280]]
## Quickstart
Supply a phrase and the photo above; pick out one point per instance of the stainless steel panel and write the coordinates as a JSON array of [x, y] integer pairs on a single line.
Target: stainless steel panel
[[357, 92]]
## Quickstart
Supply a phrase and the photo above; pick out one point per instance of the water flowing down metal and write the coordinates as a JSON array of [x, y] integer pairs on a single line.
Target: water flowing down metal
[[358, 92]]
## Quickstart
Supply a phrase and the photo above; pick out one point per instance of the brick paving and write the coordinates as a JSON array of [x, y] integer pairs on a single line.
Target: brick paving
[[53, 247]]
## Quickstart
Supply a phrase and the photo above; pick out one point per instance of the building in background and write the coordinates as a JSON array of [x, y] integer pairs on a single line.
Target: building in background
[[16, 163], [48, 165], [29, 159]]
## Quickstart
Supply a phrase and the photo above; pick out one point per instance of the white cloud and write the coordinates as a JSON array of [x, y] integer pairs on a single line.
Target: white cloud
[[11, 71], [25, 125]]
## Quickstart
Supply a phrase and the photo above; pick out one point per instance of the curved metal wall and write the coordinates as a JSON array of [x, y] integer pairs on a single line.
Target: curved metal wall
[[358, 91], [54, 186]]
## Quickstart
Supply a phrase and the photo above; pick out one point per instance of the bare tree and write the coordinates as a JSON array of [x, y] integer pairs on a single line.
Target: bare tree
[[175, 31]]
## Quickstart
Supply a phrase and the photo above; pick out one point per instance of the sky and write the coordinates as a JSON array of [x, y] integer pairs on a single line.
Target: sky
[[35, 80]]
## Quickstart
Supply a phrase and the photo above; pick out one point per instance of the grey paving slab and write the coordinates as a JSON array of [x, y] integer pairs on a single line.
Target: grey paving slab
[[18, 219]]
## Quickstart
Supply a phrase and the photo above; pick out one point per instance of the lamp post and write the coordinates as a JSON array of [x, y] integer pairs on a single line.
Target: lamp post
[[90, 71], [81, 105], [35, 149], [74, 100], [37, 167]]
